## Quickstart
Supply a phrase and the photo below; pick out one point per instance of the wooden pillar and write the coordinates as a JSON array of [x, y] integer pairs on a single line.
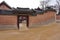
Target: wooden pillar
[[18, 22], [55, 17], [27, 21]]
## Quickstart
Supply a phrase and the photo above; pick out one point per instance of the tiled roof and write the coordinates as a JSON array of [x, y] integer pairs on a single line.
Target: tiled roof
[[5, 4], [7, 12], [19, 11], [50, 9]]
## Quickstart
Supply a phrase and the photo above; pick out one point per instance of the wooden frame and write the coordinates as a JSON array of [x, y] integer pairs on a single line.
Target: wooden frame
[[27, 20]]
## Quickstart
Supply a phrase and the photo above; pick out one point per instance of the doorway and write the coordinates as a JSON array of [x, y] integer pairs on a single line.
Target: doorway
[[23, 19]]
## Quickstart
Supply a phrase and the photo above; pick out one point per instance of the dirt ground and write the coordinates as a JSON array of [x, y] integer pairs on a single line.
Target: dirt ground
[[45, 32]]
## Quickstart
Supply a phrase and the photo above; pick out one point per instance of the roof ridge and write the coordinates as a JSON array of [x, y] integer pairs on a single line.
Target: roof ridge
[[3, 2]]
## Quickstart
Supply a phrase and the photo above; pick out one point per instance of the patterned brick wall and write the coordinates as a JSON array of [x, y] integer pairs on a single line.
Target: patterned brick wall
[[41, 17], [8, 19]]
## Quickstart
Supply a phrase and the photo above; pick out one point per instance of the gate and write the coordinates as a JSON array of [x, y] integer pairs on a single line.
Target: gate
[[23, 19]]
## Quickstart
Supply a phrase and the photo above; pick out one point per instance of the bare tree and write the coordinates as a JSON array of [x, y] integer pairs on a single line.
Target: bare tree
[[44, 4], [57, 6], [58, 2]]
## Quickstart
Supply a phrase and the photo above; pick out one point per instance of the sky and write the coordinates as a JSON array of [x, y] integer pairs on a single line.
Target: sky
[[52, 2], [25, 3]]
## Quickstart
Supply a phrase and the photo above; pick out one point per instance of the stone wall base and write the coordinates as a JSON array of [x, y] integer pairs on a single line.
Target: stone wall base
[[8, 27], [42, 23], [57, 21]]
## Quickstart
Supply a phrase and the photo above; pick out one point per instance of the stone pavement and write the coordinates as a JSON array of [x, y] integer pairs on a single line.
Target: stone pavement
[[46, 32]]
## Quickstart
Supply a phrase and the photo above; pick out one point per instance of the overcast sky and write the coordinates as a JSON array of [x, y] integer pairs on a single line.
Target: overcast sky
[[25, 3], [52, 2]]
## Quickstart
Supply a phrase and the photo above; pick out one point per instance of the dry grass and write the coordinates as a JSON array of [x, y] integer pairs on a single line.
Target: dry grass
[[46, 32]]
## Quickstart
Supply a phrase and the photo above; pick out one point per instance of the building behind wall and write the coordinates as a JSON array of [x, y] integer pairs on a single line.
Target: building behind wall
[[7, 21]]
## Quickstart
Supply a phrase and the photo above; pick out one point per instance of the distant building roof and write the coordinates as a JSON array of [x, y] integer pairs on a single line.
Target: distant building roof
[[50, 9], [38, 9], [19, 10], [22, 8], [23, 11], [5, 4]]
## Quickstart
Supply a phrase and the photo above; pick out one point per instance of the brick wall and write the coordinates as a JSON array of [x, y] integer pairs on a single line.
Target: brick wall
[[57, 17], [41, 17], [8, 19]]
